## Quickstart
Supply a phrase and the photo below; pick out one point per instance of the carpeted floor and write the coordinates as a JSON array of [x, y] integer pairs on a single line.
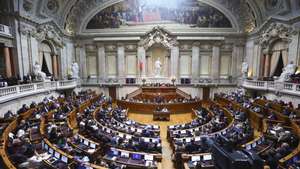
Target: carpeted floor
[[166, 148]]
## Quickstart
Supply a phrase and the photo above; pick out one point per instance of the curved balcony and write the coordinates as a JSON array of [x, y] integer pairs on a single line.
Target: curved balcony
[[280, 87], [13, 92]]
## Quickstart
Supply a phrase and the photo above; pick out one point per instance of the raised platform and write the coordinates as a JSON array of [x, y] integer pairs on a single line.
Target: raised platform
[[148, 98], [151, 107]]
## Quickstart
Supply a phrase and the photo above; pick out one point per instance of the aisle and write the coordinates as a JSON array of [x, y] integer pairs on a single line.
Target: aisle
[[166, 148]]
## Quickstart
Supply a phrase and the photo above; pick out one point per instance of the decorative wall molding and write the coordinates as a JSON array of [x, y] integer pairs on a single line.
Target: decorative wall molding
[[47, 32], [158, 35], [110, 47], [131, 47], [276, 31]]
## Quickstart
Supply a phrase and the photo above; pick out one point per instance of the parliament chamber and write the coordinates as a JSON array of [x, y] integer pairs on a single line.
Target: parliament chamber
[[149, 84]]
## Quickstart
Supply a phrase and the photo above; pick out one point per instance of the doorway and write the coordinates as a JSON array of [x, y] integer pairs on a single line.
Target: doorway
[[206, 93], [112, 91]]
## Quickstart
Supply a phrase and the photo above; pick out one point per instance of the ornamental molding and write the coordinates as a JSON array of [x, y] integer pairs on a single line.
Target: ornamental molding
[[276, 31], [47, 32], [158, 35], [131, 47]]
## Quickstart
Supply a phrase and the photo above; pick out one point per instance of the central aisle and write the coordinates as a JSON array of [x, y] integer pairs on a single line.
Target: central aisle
[[166, 148]]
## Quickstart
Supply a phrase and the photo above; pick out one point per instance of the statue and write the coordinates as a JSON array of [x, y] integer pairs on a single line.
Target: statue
[[287, 72], [157, 67], [37, 71], [245, 68], [75, 70]]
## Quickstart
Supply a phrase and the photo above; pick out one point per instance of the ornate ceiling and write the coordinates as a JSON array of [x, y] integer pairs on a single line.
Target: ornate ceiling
[[72, 16]]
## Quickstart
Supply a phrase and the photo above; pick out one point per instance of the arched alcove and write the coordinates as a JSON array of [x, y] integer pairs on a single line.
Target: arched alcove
[[48, 59], [161, 53], [112, 7]]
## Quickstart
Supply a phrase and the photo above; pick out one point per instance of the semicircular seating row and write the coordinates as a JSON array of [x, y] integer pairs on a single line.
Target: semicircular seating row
[[84, 131], [80, 131], [264, 127]]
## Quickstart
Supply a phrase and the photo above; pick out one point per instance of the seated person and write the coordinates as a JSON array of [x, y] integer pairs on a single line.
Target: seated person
[[8, 115]]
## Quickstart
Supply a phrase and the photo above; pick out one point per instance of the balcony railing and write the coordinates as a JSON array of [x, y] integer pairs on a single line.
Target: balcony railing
[[281, 87], [5, 30], [10, 93]]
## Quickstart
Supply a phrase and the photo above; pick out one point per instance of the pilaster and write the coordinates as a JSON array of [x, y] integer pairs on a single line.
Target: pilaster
[[175, 61], [121, 60], [216, 52], [195, 60], [101, 61]]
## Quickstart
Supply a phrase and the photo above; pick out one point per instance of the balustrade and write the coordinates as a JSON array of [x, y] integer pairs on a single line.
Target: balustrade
[[9, 93], [283, 87]]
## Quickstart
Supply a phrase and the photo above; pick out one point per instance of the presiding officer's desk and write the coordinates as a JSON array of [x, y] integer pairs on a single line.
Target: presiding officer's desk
[[151, 107]]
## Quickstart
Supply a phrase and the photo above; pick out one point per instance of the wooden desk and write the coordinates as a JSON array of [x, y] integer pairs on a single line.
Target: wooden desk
[[161, 116], [151, 107], [256, 119]]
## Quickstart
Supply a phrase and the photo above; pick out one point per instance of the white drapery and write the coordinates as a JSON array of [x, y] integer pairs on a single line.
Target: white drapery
[[285, 57], [279, 49]]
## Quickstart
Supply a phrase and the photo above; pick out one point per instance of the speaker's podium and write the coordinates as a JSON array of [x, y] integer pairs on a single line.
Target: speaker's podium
[[161, 115]]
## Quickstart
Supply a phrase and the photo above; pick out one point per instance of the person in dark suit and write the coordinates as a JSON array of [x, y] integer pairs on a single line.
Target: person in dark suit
[[8, 115]]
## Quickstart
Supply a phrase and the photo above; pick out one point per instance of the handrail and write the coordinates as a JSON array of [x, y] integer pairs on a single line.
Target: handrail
[[278, 111], [183, 94], [12, 92], [255, 118], [12, 126], [283, 87], [134, 93], [229, 126]]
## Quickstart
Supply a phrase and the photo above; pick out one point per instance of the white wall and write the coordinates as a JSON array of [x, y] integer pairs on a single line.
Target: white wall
[[124, 90], [250, 56], [66, 58], [193, 91]]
